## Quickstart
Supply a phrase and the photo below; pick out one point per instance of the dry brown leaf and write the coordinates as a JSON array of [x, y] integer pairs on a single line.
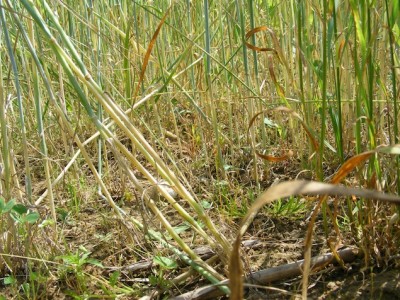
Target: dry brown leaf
[[290, 153], [252, 47], [148, 52], [277, 51], [358, 159]]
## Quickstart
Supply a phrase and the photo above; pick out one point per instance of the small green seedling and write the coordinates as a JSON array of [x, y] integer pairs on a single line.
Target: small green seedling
[[19, 212], [165, 263]]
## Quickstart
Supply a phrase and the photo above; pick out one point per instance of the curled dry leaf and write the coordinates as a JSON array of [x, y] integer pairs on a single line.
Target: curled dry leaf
[[283, 190], [276, 51], [259, 29], [291, 113]]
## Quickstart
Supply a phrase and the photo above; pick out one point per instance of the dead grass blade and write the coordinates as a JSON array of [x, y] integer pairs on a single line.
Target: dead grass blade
[[277, 51], [148, 52], [278, 87], [283, 190], [259, 49], [357, 160]]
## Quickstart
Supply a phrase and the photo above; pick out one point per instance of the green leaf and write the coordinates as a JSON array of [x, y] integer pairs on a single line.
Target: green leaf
[[85, 256], [206, 204], [16, 217], [114, 278], [9, 205], [165, 262], [9, 280], [20, 209], [94, 262], [69, 259], [33, 276], [153, 280], [46, 222], [6, 206], [26, 287], [181, 228], [32, 217]]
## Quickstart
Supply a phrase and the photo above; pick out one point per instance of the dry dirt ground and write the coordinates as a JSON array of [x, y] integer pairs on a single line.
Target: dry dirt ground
[[283, 241], [280, 240]]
